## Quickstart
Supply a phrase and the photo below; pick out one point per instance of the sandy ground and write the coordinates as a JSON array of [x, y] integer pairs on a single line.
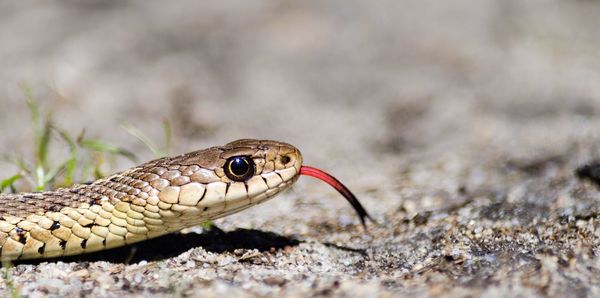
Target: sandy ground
[[459, 125]]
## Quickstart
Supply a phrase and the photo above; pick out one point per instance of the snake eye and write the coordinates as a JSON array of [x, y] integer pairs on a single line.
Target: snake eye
[[239, 168]]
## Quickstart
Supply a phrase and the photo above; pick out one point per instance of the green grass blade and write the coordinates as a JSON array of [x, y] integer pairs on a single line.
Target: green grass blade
[[142, 137], [168, 130], [43, 143], [41, 134], [34, 109], [65, 136], [53, 173], [40, 178], [98, 172], [70, 166], [70, 169], [100, 146], [9, 182]]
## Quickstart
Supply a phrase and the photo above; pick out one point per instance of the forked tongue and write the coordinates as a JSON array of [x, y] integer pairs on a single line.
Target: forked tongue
[[316, 173]]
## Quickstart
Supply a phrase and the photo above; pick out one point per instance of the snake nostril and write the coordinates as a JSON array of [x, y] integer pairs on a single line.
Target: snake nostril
[[285, 159]]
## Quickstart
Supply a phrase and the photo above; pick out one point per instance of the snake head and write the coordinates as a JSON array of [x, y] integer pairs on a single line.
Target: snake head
[[233, 177], [279, 165], [245, 159], [242, 173]]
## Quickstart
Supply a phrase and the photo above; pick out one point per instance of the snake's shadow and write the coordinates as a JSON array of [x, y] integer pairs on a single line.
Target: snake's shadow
[[213, 240]]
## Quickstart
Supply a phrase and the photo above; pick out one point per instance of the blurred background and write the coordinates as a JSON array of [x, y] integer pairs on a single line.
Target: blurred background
[[368, 90], [415, 105], [371, 90]]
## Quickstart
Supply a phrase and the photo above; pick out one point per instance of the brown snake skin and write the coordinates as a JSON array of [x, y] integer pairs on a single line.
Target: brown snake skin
[[153, 199]]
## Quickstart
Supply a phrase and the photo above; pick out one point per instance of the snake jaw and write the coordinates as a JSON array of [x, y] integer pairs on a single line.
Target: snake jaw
[[341, 188]]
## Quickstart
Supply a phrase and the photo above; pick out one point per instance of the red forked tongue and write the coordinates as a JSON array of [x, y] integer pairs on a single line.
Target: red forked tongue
[[316, 173]]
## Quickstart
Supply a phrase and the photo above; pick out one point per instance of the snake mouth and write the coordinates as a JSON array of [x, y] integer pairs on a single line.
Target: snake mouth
[[341, 188]]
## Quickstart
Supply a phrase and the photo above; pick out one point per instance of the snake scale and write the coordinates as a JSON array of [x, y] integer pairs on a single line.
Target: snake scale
[[153, 199]]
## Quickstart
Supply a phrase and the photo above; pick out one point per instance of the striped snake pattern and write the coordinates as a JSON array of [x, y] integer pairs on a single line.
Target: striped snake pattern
[[150, 200]]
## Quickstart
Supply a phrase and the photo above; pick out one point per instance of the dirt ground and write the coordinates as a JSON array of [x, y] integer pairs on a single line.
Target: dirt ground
[[459, 125]]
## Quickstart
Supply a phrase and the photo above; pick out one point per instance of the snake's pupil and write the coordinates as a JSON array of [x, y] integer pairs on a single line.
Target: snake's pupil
[[239, 168]]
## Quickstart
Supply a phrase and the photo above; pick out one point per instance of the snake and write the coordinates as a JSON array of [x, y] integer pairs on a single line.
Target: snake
[[153, 199]]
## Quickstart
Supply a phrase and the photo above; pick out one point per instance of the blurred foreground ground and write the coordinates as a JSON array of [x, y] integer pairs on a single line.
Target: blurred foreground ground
[[459, 125]]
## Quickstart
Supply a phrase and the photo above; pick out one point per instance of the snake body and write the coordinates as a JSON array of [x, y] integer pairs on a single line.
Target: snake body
[[147, 201]]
